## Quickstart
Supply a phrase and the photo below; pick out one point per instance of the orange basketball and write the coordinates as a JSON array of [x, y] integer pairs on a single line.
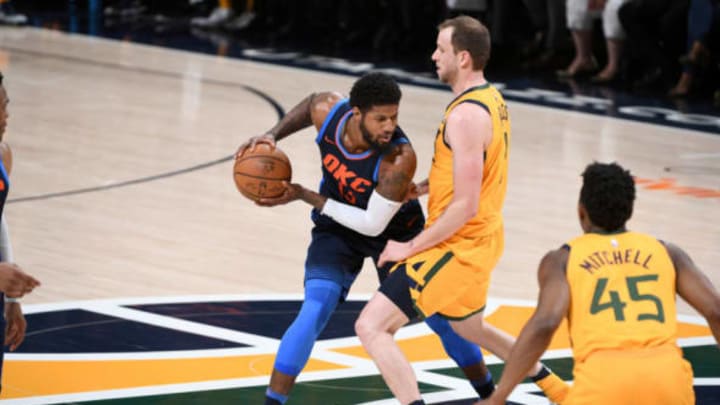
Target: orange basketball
[[260, 173]]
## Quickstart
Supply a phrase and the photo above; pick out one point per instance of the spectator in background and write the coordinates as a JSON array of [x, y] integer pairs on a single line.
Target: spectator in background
[[656, 37], [548, 17], [580, 15], [703, 31]]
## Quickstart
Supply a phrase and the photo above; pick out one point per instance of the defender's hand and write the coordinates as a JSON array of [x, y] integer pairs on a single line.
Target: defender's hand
[[416, 190], [394, 252]]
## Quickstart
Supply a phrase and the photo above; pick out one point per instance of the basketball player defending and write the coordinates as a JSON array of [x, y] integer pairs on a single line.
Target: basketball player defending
[[617, 290], [367, 164], [446, 268], [14, 283]]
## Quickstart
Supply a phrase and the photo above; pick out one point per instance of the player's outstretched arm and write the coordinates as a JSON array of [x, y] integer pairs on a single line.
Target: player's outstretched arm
[[535, 337], [695, 288]]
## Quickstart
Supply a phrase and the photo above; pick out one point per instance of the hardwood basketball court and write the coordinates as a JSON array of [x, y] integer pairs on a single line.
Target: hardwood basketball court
[[122, 179]]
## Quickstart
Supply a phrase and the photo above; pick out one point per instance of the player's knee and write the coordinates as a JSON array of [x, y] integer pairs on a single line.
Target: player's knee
[[315, 315], [365, 330]]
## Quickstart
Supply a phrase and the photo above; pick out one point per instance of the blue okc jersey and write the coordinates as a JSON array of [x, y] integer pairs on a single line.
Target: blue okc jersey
[[351, 178]]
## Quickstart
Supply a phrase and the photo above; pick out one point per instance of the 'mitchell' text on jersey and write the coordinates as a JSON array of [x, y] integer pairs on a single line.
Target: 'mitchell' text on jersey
[[598, 259], [349, 183]]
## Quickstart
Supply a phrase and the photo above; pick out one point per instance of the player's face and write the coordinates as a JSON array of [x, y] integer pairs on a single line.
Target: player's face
[[3, 111], [445, 57], [378, 124]]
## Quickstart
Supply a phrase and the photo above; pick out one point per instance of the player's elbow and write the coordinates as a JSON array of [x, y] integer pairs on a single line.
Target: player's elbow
[[545, 326], [712, 314], [372, 225], [371, 229], [469, 209]]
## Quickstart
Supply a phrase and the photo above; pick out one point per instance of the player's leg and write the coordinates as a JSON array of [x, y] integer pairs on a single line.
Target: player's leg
[[330, 268], [466, 355], [500, 343], [388, 310], [421, 285], [321, 298], [470, 305]]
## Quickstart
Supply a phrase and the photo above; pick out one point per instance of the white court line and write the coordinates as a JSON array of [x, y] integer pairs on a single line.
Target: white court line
[[156, 355], [185, 326]]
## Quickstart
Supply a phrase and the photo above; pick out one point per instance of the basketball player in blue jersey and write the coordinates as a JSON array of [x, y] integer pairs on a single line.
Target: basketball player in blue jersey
[[14, 283], [367, 166]]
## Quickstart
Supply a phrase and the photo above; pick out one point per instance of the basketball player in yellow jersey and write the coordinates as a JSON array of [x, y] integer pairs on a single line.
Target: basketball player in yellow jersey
[[446, 268], [617, 289]]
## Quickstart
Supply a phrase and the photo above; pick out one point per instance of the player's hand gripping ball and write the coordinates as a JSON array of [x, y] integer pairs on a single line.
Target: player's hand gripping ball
[[260, 173]]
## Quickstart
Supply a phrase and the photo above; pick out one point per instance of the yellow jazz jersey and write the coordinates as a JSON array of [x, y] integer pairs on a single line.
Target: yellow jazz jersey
[[488, 219], [622, 293]]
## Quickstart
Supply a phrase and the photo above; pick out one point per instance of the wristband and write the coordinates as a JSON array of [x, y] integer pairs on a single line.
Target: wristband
[[11, 300]]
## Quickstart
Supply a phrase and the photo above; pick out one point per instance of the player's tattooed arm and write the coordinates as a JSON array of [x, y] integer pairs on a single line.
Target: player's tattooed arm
[[312, 110], [299, 117], [396, 173]]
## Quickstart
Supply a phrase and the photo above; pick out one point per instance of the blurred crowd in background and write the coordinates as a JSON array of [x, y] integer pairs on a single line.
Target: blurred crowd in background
[[666, 48]]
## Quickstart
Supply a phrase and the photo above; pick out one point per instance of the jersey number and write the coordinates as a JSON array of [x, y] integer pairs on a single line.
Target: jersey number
[[618, 305]]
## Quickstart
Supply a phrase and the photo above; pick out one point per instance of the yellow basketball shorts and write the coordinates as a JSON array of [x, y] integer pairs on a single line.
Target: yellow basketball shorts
[[652, 376], [440, 283]]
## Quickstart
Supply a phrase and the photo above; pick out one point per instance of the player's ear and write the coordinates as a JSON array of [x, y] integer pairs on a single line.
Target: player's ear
[[356, 112], [583, 217]]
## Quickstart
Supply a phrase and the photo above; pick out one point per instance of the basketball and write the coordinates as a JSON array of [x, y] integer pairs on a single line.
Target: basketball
[[260, 173]]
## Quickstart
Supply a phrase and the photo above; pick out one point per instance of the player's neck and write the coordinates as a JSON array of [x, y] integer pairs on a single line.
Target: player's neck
[[467, 80], [352, 138], [602, 231]]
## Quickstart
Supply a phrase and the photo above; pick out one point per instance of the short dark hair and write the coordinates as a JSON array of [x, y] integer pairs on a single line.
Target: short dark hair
[[469, 35], [608, 194], [374, 88]]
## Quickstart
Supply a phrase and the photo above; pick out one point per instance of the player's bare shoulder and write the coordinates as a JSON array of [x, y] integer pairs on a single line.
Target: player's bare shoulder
[[321, 105], [555, 260], [402, 155], [467, 120]]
